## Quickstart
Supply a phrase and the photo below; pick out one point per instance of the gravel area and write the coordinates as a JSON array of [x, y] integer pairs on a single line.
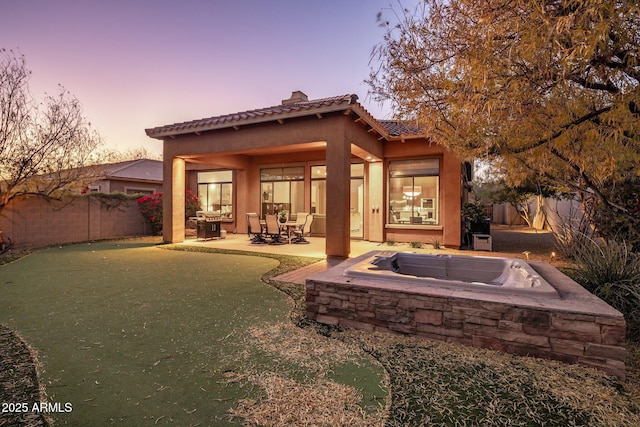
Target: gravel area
[[19, 382], [516, 240]]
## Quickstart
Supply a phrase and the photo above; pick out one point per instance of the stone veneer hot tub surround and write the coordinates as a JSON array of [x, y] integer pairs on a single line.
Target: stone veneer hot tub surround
[[577, 327]]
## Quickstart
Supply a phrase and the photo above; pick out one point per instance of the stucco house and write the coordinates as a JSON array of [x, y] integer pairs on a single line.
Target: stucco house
[[362, 178], [141, 176]]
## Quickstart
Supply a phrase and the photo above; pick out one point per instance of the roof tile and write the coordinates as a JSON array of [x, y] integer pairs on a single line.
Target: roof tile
[[283, 111], [398, 127]]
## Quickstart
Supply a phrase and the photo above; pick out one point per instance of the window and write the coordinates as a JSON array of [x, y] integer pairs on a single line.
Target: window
[[318, 190], [282, 189], [215, 191], [414, 191], [356, 200], [133, 190]]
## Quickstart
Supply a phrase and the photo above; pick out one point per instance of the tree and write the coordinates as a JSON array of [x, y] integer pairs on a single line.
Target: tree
[[133, 153], [548, 88], [45, 149]]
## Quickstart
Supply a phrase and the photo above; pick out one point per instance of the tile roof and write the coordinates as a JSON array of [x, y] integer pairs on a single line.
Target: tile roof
[[297, 106], [398, 127], [260, 115], [141, 169]]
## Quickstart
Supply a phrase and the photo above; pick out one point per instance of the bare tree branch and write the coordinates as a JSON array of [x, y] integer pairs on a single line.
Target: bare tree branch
[[45, 152]]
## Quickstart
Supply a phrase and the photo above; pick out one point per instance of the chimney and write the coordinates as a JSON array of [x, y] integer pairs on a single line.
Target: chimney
[[296, 96]]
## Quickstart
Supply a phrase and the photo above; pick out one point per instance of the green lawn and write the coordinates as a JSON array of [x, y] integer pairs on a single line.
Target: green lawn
[[134, 334]]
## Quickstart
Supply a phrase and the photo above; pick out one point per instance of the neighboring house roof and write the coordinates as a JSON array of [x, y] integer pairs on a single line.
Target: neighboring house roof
[[134, 170], [296, 106]]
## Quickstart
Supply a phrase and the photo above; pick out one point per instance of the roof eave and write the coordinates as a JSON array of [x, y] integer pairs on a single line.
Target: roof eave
[[406, 136], [371, 121], [250, 121]]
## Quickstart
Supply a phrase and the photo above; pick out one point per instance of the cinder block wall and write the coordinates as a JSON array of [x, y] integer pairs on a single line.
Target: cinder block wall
[[34, 222]]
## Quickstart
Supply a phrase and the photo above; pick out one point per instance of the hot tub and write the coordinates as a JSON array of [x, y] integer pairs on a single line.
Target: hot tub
[[510, 305], [473, 273]]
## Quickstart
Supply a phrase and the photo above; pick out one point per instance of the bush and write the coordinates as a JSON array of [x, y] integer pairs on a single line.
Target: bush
[[612, 224], [571, 234], [611, 271], [151, 209], [473, 212], [191, 204]]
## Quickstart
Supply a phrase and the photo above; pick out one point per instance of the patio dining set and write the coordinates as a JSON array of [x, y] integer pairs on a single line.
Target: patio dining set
[[273, 232]]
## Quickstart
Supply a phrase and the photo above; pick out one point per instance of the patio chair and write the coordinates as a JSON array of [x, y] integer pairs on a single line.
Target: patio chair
[[301, 218], [302, 231], [255, 229], [273, 229]]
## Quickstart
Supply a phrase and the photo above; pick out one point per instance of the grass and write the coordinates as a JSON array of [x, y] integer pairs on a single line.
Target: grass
[[132, 334], [86, 316]]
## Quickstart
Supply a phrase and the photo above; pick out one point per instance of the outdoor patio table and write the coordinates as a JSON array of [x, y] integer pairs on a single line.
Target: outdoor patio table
[[289, 226]]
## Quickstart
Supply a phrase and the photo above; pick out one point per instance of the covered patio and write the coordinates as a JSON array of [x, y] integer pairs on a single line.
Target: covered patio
[[328, 157], [315, 248]]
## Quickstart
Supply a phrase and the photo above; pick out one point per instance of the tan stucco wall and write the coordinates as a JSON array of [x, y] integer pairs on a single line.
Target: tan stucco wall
[[330, 141], [34, 222], [122, 186]]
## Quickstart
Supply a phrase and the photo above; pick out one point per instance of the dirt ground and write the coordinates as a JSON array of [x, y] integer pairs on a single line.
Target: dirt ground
[[18, 381], [516, 240]]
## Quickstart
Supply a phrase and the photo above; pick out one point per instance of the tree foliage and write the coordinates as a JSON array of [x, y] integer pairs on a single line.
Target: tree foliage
[[45, 148], [549, 88]]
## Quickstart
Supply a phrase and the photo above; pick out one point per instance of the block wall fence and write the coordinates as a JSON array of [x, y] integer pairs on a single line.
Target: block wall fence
[[35, 222]]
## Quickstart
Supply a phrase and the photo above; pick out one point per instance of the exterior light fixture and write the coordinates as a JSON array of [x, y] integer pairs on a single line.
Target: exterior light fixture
[[412, 190]]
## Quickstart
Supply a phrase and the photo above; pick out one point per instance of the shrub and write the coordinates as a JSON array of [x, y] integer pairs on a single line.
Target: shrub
[[151, 209], [473, 212], [612, 224], [611, 272], [435, 242], [416, 245], [571, 234], [191, 204]]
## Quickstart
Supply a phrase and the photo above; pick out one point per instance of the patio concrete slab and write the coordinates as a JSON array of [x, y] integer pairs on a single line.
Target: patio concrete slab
[[507, 242]]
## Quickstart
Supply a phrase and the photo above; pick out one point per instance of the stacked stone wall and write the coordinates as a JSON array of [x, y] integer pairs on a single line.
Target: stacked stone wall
[[593, 340]]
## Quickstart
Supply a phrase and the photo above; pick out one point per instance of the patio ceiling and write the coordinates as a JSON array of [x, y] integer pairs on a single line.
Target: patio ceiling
[[283, 149], [319, 146]]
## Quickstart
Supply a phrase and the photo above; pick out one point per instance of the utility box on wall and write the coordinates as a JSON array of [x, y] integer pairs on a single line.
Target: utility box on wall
[[482, 242]]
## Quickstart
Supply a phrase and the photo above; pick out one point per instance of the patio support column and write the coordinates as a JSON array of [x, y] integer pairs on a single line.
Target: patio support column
[[173, 201], [338, 192]]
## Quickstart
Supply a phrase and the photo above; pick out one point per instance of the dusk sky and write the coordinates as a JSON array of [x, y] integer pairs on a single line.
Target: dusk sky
[[140, 64]]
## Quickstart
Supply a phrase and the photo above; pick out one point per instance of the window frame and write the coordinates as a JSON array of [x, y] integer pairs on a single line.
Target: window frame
[[280, 175], [230, 214], [420, 217]]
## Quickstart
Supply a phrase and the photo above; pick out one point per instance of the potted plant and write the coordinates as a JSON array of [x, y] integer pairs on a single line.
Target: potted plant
[[282, 216], [475, 218]]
